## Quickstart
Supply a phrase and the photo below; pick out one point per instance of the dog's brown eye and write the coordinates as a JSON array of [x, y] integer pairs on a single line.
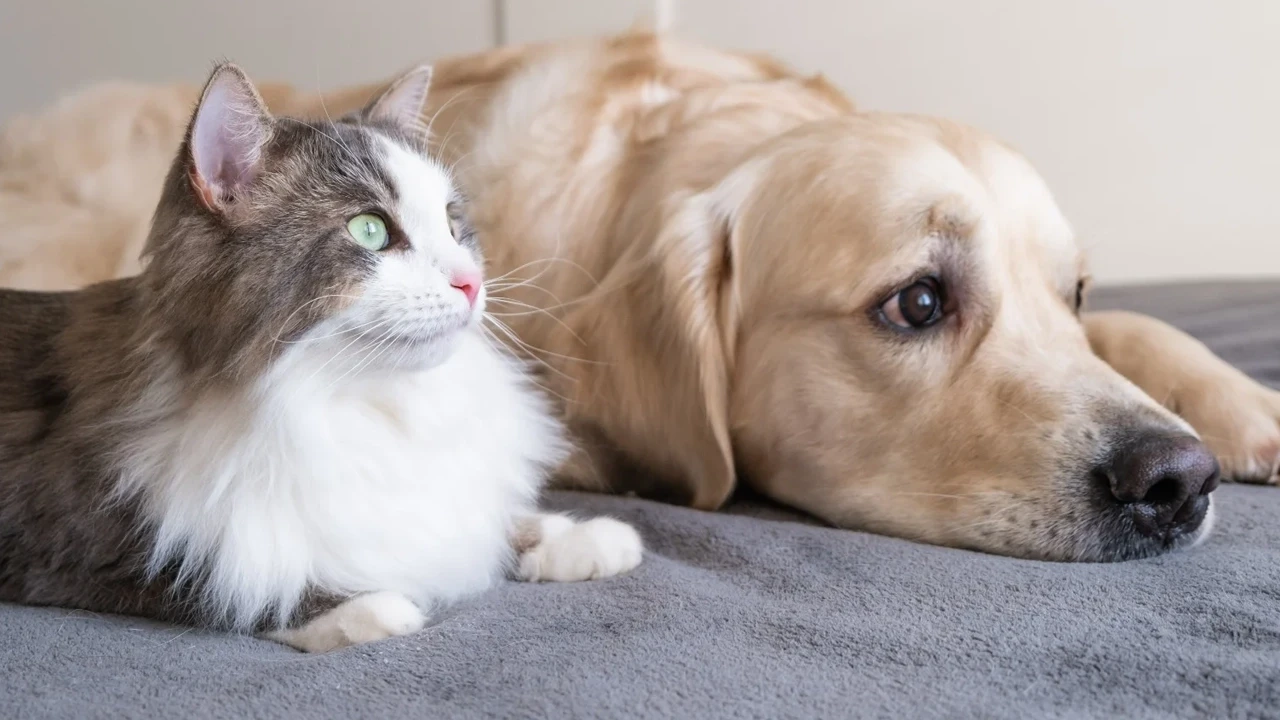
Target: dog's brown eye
[[1079, 295], [916, 306]]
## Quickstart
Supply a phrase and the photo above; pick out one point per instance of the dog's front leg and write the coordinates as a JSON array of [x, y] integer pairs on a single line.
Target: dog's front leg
[[1238, 418]]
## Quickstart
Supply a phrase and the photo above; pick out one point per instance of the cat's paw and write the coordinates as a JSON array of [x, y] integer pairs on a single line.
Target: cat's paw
[[568, 551], [1240, 422], [362, 619]]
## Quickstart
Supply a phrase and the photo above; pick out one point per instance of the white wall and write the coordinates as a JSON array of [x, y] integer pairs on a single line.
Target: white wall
[[48, 47]]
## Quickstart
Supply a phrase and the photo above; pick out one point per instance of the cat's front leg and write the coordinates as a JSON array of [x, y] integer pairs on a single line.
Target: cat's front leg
[[1237, 417], [358, 620], [557, 548]]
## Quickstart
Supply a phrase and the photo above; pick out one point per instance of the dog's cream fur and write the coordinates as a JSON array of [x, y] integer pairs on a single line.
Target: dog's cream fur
[[703, 238]]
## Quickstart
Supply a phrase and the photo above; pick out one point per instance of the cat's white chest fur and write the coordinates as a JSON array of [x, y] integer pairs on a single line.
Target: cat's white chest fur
[[402, 482]]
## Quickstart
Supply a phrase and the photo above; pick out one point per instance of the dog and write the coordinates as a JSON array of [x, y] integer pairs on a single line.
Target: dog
[[727, 273]]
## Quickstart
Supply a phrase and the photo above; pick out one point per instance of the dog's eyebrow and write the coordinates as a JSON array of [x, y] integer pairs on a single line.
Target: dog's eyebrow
[[950, 215], [968, 293], [944, 221]]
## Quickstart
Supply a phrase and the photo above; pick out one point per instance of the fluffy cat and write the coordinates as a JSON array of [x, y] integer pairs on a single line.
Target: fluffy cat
[[290, 423]]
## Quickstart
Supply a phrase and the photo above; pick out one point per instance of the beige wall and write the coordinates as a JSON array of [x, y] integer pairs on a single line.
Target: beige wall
[[48, 47], [1154, 120], [542, 20], [1157, 122]]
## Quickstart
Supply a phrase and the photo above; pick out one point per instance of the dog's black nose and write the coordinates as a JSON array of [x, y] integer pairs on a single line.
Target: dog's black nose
[[1163, 481]]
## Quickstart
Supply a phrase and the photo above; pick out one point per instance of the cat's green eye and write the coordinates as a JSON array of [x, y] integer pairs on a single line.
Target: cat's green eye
[[369, 231]]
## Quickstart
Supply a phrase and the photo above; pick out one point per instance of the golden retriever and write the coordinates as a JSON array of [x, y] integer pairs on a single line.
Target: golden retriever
[[724, 271]]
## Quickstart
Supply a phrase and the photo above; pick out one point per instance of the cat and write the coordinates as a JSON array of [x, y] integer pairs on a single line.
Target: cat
[[291, 422]]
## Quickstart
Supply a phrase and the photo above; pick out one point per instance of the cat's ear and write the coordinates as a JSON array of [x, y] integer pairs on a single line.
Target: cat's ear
[[227, 134], [401, 103]]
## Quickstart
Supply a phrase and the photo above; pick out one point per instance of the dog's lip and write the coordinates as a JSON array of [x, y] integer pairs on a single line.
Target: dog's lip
[[1144, 520], [1103, 535], [1135, 544]]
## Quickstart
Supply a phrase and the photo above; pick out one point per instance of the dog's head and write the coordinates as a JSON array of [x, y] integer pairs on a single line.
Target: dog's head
[[877, 319]]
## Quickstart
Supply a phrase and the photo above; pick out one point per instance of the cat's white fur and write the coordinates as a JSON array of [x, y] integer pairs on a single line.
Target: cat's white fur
[[388, 472], [386, 481], [362, 619], [588, 550]]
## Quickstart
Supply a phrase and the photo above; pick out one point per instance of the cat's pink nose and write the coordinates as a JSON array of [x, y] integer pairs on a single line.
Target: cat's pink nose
[[468, 281]]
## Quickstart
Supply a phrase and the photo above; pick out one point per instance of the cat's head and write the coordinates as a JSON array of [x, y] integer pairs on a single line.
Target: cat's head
[[340, 241]]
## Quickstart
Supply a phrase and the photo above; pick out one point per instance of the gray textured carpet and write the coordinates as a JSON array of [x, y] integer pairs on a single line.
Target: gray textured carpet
[[758, 613]]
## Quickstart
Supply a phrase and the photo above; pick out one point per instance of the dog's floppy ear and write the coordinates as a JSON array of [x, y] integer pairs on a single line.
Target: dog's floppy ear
[[659, 389]]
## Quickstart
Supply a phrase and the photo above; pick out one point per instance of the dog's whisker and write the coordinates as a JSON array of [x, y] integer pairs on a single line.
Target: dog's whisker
[[964, 496], [998, 518], [1020, 411]]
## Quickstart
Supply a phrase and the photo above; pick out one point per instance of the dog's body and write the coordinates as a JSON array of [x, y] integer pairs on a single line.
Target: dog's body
[[709, 254]]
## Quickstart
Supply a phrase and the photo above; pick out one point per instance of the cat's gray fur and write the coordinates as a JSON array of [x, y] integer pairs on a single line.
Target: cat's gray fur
[[79, 370]]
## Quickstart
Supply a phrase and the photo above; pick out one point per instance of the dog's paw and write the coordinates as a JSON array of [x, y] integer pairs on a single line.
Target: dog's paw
[[362, 619], [568, 551], [1240, 422]]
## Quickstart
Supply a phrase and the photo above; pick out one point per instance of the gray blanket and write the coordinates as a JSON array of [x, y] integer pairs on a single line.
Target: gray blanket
[[758, 612]]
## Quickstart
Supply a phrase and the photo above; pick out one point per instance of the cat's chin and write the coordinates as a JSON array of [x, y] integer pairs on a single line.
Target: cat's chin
[[413, 353]]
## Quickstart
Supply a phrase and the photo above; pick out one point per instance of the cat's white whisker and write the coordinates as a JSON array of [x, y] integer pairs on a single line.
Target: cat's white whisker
[[549, 308], [442, 108], [378, 350], [299, 309], [511, 334], [543, 260], [368, 349], [337, 333], [527, 282], [507, 348], [457, 162], [325, 108], [318, 131], [533, 310], [338, 354], [498, 346]]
